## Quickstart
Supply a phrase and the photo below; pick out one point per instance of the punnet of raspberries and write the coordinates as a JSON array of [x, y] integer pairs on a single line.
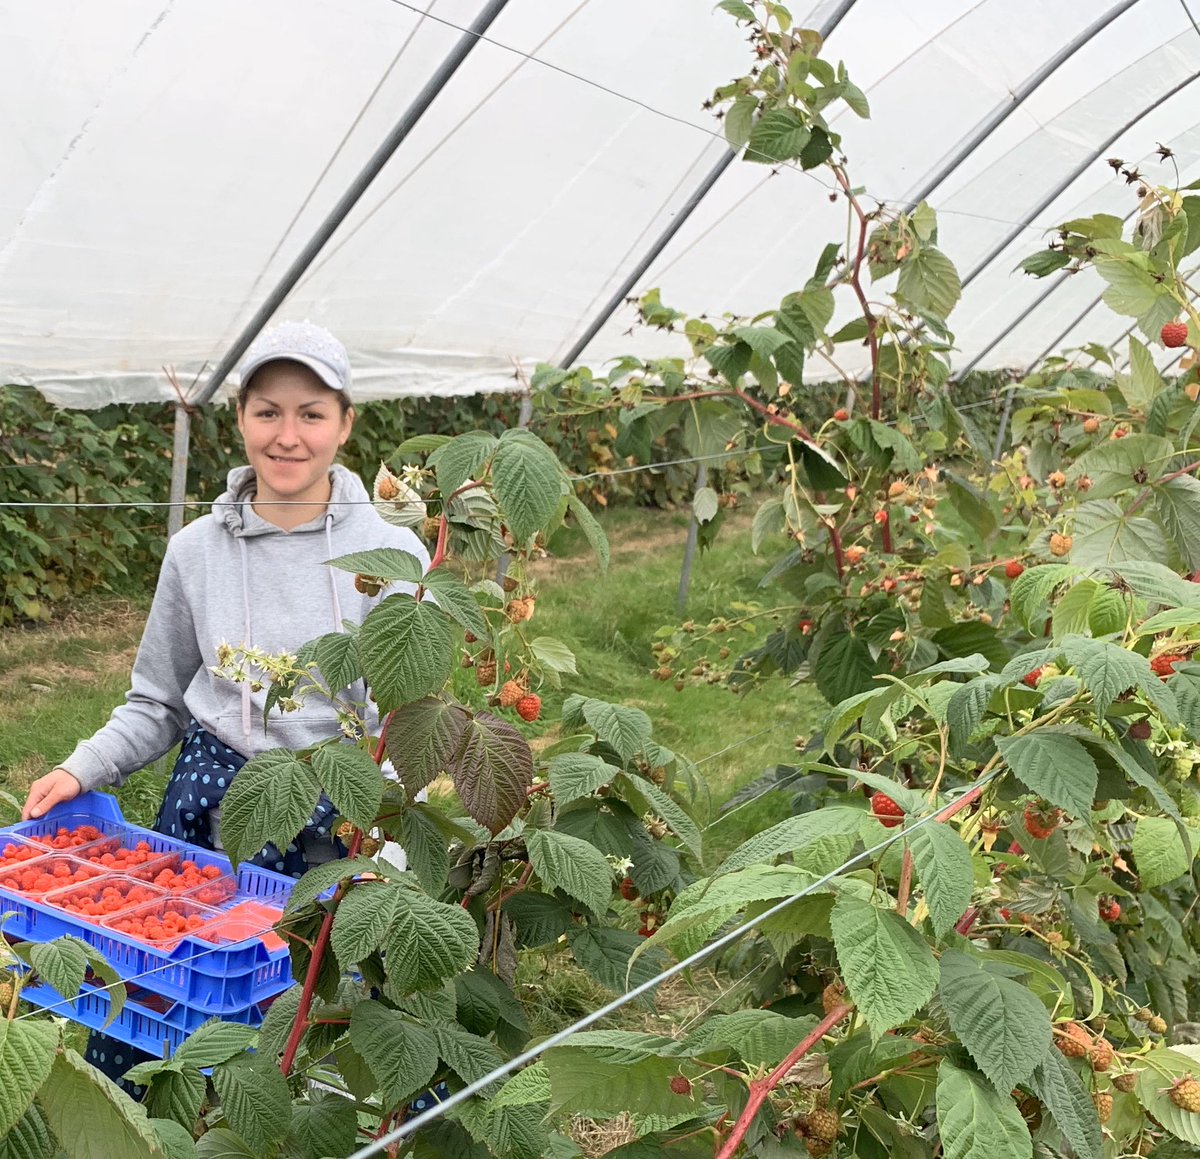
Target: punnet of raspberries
[[529, 707], [1174, 334], [886, 811]]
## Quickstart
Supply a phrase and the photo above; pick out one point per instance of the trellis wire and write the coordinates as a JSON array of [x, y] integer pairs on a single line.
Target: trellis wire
[[471, 1089]]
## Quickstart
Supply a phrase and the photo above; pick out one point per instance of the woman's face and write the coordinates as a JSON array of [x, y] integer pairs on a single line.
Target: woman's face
[[292, 426]]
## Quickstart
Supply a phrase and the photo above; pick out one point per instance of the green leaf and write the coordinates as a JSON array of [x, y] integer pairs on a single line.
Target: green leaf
[[322, 877], [1159, 851], [575, 775], [625, 730], [425, 846], [255, 1100], [1104, 669], [528, 482], [1055, 766], [460, 459], [336, 655], [705, 505], [423, 739], [647, 793], [943, 865], [592, 531], [29, 1139], [1031, 589], [63, 963], [1131, 291], [605, 954], [1106, 536], [1071, 1107], [969, 704], [406, 650], [888, 967], [91, 1116], [176, 1095], [862, 1056], [362, 920], [1005, 1028], [1177, 503], [974, 1121], [268, 802], [215, 1043], [740, 117], [402, 1054], [1045, 262], [388, 563], [492, 771], [769, 520], [457, 601], [325, 1125], [553, 654], [222, 1143], [777, 135], [175, 1139], [525, 1088], [739, 9], [429, 942], [575, 866], [1153, 1085], [26, 1056], [468, 1055], [793, 835], [584, 1084], [929, 282], [842, 665], [353, 781]]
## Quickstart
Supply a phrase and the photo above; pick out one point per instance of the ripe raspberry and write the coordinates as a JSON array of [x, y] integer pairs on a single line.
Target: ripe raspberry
[[1185, 1094], [680, 1085], [1164, 665], [1109, 909], [510, 692], [629, 891], [1091, 426], [1104, 1105], [880, 517], [645, 931], [529, 707], [1101, 1055], [1041, 819], [1125, 1082], [1174, 334], [1119, 432], [822, 1124], [1072, 1040], [1060, 544], [840, 415], [1140, 730], [886, 811], [1012, 569], [1031, 678]]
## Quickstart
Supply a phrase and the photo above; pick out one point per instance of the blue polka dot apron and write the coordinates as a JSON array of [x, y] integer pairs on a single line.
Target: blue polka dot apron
[[201, 778]]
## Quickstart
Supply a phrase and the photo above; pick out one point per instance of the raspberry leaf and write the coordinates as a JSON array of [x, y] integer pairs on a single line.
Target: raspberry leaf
[[575, 866], [975, 1121], [269, 801], [943, 864], [492, 770], [406, 650], [27, 1051], [1055, 766], [1058, 1086], [401, 1053], [352, 780]]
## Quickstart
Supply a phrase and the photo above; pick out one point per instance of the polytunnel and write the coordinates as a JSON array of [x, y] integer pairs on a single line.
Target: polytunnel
[[167, 163]]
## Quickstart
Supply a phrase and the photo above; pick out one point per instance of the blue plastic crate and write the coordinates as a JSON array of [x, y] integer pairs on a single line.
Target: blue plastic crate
[[195, 975], [148, 1021]]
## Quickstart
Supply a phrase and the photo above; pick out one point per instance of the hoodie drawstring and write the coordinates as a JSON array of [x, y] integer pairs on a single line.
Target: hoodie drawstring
[[246, 629], [337, 607]]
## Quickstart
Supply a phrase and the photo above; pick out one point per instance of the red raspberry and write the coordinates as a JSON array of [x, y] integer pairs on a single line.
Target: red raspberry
[[1032, 678], [885, 810], [1164, 665], [680, 1085], [1109, 909], [1041, 819], [629, 891], [1174, 334], [840, 415], [1012, 569], [529, 707]]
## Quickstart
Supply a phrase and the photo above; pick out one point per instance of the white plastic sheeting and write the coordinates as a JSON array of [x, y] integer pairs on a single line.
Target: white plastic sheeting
[[165, 160]]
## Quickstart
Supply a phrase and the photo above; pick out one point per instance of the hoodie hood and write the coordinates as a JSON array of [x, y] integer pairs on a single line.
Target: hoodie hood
[[233, 509]]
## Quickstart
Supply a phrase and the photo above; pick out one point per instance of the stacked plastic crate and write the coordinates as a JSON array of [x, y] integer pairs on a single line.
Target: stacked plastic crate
[[191, 937]]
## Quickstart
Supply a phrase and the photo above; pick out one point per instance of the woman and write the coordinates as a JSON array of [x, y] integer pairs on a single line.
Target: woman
[[252, 572]]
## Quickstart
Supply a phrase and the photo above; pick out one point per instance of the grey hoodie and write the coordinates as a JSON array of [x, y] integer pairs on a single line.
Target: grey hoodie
[[232, 576]]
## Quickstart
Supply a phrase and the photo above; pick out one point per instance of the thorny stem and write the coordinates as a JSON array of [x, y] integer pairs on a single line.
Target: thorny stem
[[321, 945], [761, 1088], [856, 284]]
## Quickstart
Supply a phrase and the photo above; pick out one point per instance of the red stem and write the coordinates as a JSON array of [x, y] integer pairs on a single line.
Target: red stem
[[760, 1088], [301, 1023], [439, 552], [967, 921], [835, 541]]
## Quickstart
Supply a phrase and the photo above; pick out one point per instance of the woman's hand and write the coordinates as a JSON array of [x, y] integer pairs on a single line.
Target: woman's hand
[[55, 787]]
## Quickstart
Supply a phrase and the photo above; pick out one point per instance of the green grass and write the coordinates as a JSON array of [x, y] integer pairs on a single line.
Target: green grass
[[59, 683]]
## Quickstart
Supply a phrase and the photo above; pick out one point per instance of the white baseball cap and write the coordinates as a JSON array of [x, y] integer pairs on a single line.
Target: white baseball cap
[[304, 342]]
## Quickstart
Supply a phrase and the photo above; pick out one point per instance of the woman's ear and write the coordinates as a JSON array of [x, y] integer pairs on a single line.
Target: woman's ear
[[347, 425]]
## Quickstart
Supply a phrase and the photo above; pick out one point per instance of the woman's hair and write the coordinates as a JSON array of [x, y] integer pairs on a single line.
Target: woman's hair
[[247, 386]]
